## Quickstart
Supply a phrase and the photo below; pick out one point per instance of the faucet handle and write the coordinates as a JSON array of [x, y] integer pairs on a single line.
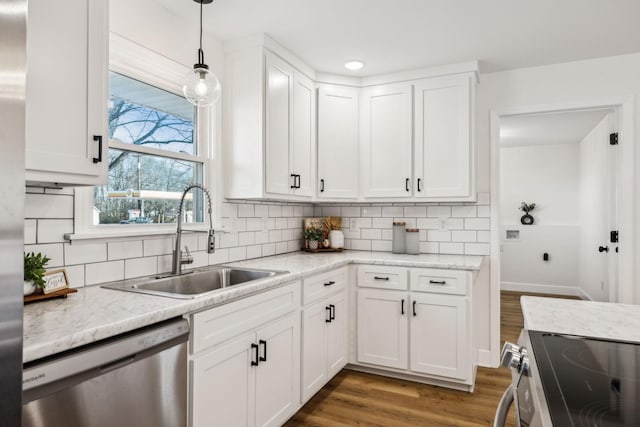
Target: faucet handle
[[187, 258]]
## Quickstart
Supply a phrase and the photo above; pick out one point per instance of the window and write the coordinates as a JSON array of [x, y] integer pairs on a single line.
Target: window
[[158, 144], [152, 156]]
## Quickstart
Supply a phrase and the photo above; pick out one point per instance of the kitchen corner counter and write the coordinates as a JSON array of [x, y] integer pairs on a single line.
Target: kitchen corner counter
[[620, 322], [95, 313]]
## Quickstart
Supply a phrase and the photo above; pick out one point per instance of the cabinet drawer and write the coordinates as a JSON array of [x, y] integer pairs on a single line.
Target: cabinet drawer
[[218, 324], [382, 277], [440, 281], [323, 284]]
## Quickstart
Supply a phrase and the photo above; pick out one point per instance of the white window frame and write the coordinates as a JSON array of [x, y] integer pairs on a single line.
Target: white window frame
[[138, 62]]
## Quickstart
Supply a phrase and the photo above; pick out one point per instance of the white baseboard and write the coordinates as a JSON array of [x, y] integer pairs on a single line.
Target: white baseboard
[[486, 360], [543, 289]]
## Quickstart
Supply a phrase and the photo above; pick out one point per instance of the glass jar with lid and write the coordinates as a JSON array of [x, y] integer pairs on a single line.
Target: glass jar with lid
[[398, 238], [412, 241]]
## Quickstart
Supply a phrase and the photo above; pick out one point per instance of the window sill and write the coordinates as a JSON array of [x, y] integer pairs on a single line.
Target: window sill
[[138, 232]]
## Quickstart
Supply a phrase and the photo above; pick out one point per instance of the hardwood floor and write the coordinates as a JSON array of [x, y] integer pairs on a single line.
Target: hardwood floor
[[354, 398]]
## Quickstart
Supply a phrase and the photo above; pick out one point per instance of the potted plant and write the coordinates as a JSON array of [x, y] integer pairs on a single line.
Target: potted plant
[[34, 269], [336, 236], [527, 219], [313, 235]]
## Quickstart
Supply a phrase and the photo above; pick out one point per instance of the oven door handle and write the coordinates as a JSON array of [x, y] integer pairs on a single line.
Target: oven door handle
[[503, 407]]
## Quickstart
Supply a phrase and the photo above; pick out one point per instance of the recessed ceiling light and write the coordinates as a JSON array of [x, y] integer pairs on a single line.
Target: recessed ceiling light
[[353, 65]]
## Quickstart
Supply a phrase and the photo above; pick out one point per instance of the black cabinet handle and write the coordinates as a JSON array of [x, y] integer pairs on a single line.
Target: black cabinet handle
[[330, 283], [402, 307], [99, 139], [437, 282], [332, 312], [298, 181], [414, 308], [406, 184], [263, 358], [328, 309], [419, 181], [380, 278], [322, 185], [293, 175], [256, 361], [603, 248]]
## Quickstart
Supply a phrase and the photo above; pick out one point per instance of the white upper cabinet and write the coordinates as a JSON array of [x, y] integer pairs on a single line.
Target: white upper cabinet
[[337, 142], [385, 141], [269, 130], [66, 107], [443, 162]]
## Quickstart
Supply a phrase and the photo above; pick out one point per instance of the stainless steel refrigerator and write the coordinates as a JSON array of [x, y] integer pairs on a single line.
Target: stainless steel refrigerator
[[13, 15]]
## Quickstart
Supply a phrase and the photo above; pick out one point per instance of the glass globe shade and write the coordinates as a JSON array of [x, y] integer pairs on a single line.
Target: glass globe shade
[[202, 87]]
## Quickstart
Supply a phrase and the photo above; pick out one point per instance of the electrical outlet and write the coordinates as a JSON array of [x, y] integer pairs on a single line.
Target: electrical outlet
[[443, 223], [354, 225]]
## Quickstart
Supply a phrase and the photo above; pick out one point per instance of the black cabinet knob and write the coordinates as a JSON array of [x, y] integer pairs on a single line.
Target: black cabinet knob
[[603, 248]]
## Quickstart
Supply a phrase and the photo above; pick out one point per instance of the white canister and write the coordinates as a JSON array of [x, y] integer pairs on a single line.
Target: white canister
[[412, 241], [336, 239], [397, 243]]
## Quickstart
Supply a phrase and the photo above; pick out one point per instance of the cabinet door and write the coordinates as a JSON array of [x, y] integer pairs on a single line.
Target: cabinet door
[[443, 151], [439, 336], [383, 327], [337, 335], [385, 137], [337, 142], [222, 383], [303, 133], [278, 377], [278, 99], [67, 92], [314, 349]]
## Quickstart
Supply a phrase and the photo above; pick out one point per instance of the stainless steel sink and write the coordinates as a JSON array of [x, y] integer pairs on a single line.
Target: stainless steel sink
[[193, 284]]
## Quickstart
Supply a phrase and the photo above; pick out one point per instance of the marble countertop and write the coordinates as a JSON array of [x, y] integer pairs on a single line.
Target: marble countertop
[[604, 320], [95, 313]]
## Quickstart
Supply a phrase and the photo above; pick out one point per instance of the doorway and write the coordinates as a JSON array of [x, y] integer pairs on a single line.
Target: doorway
[[558, 203]]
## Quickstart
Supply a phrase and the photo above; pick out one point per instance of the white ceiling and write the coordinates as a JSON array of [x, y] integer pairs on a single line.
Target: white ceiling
[[397, 35], [553, 128]]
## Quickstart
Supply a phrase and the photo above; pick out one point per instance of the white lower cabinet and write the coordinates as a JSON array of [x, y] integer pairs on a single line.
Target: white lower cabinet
[[383, 327], [422, 331], [252, 379], [324, 331]]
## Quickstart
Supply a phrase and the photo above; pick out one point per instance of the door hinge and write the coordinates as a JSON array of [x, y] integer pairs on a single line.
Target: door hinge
[[614, 236], [613, 138]]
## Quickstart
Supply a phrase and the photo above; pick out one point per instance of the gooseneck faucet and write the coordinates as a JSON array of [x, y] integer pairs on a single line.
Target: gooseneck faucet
[[178, 257]]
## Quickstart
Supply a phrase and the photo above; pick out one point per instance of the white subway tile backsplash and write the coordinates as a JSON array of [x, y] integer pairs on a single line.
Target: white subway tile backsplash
[[220, 256], [387, 234], [229, 210], [371, 211], [254, 251], [30, 231], [484, 236], [281, 247], [331, 211], [438, 211], [200, 259], [477, 224], [392, 211], [381, 245], [381, 222], [245, 211], [261, 237], [261, 211], [298, 211], [365, 222], [104, 272], [275, 211], [229, 240], [361, 245], [308, 211], [456, 224], [371, 233], [350, 211], [463, 236], [237, 254], [415, 211], [246, 238], [139, 267], [288, 235], [164, 263], [428, 223], [75, 275], [268, 249], [275, 236], [295, 223], [438, 236], [484, 211], [477, 249], [124, 250], [463, 211], [294, 245], [452, 248], [351, 234], [287, 210], [429, 247], [254, 224], [160, 246], [48, 206], [282, 223], [53, 230], [84, 253]]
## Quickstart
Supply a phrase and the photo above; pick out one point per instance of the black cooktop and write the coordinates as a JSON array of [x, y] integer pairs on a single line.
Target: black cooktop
[[587, 381]]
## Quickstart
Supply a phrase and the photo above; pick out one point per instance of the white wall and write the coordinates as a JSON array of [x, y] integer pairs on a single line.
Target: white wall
[[548, 176]]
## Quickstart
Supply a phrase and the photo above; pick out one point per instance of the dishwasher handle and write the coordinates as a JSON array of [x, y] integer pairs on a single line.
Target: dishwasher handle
[[506, 401], [93, 359]]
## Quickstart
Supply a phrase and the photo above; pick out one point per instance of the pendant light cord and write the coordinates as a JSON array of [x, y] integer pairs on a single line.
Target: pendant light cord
[[200, 51]]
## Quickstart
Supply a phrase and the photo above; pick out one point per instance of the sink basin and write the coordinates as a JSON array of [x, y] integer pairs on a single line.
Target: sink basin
[[193, 284]]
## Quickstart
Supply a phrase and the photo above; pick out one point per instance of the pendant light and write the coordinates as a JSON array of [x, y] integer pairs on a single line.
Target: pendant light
[[201, 87]]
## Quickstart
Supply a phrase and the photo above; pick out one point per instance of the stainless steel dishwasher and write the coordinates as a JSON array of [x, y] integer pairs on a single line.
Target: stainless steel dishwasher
[[135, 379]]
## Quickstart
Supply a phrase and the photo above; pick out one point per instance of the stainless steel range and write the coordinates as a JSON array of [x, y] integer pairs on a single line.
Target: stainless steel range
[[566, 380]]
